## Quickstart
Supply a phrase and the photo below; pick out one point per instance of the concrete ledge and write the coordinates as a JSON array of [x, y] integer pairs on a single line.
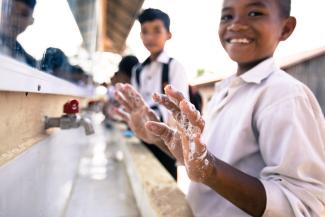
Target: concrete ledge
[[156, 192]]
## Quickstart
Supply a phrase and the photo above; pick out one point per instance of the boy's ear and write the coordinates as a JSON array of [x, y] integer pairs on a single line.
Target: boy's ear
[[288, 28], [31, 21], [169, 35]]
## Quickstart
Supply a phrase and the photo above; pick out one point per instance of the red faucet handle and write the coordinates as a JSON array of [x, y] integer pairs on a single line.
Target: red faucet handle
[[71, 107]]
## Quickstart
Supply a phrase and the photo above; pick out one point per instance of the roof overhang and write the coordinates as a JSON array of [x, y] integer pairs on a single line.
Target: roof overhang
[[105, 24]]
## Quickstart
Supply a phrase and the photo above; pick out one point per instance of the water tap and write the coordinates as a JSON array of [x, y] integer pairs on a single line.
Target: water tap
[[95, 106], [70, 119]]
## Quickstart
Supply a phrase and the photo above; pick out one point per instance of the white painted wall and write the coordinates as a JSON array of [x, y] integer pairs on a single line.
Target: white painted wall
[[39, 181], [17, 76]]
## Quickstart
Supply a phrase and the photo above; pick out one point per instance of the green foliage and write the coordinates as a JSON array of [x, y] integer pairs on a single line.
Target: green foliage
[[200, 72]]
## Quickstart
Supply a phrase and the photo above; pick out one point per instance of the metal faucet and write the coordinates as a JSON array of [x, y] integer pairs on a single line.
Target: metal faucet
[[70, 119], [95, 106]]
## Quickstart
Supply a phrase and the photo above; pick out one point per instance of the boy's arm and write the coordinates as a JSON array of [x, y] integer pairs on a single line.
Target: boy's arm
[[292, 146], [245, 191], [293, 181]]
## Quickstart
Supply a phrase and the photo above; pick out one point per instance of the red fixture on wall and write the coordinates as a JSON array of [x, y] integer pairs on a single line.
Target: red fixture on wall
[[71, 107]]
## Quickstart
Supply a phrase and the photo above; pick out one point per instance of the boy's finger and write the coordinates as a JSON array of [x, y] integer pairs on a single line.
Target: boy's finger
[[152, 115], [165, 101], [185, 146], [161, 130], [124, 115], [134, 96], [201, 149], [119, 87], [192, 114], [121, 99], [134, 99], [174, 94]]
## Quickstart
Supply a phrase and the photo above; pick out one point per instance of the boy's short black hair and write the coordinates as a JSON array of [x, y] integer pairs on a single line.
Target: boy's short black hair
[[29, 3], [285, 7], [151, 14], [126, 64], [53, 59]]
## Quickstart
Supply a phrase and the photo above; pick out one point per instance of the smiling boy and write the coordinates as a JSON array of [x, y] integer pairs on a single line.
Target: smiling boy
[[251, 33], [261, 150]]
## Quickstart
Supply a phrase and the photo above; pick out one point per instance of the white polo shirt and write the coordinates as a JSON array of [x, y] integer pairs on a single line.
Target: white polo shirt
[[150, 80], [270, 126]]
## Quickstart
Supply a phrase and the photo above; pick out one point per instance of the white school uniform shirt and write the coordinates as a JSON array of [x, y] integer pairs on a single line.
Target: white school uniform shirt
[[150, 80], [270, 126]]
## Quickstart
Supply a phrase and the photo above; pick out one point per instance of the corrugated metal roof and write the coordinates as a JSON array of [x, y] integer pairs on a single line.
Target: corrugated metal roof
[[85, 14], [301, 57], [119, 16]]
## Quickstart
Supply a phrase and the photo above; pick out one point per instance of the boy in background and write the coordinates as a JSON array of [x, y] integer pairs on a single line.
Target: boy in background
[[16, 16], [261, 150], [147, 78], [124, 73]]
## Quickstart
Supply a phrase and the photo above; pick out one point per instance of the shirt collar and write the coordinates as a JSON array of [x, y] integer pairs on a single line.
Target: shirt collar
[[260, 71], [163, 57]]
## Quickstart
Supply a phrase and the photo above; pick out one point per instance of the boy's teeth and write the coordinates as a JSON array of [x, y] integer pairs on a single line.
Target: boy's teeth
[[240, 40]]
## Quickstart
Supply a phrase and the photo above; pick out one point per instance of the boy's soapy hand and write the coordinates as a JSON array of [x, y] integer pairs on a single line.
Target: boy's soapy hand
[[170, 137], [197, 159], [135, 112], [184, 143]]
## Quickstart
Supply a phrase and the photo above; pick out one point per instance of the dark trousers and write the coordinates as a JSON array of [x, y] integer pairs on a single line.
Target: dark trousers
[[168, 162]]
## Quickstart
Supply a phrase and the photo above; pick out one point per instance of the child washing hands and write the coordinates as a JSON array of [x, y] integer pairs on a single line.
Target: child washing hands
[[260, 151]]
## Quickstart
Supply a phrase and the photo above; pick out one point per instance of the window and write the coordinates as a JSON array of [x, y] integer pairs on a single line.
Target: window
[[44, 35]]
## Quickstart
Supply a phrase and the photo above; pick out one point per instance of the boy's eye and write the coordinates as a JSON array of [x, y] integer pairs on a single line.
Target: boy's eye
[[226, 17], [255, 14], [158, 31]]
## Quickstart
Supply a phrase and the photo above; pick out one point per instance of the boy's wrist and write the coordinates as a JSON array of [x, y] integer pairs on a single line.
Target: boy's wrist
[[210, 170]]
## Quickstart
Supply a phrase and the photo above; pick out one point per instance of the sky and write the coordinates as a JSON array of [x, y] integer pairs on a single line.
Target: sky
[[54, 26], [194, 25]]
